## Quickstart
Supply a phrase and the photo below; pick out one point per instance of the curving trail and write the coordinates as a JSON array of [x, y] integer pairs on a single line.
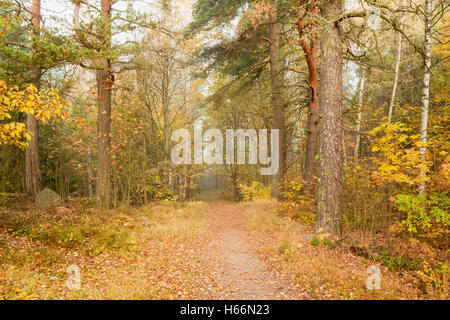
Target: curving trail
[[232, 255]]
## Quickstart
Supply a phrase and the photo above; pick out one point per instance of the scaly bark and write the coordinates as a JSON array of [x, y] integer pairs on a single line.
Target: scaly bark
[[104, 83], [105, 80], [310, 49], [331, 154]]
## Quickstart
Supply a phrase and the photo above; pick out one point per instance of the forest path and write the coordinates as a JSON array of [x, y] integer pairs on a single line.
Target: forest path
[[232, 254]]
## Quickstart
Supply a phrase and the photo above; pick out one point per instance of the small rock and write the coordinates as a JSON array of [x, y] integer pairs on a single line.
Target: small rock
[[309, 237], [53, 278], [46, 197]]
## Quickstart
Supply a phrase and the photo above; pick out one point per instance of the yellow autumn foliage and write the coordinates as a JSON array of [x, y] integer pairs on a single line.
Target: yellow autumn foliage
[[46, 105], [397, 155]]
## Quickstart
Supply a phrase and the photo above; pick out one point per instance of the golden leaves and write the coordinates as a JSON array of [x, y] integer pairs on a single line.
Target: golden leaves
[[46, 105], [397, 156]]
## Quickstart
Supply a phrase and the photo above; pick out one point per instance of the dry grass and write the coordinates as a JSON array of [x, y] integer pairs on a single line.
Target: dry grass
[[155, 252], [324, 271], [130, 253], [175, 222]]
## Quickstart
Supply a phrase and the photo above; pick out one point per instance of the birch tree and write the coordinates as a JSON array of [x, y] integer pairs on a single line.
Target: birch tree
[[426, 87]]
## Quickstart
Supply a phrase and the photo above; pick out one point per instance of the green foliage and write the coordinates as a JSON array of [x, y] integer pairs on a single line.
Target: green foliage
[[314, 242], [205, 11], [397, 263], [426, 215]]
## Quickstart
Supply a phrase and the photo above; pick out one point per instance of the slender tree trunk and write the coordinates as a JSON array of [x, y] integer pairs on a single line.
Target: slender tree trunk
[[397, 68], [277, 101], [32, 170], [362, 83], [165, 83], [310, 48], [331, 157], [425, 89], [104, 82], [144, 170], [188, 188], [235, 182], [90, 175]]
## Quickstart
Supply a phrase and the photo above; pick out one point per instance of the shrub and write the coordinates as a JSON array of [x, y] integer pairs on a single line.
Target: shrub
[[157, 190], [287, 249], [397, 263], [92, 233], [298, 204], [426, 215], [256, 191], [397, 153], [433, 277]]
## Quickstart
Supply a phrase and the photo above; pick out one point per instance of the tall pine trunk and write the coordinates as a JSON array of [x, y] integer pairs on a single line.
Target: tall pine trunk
[[331, 153], [425, 89], [277, 101], [310, 49], [104, 83], [32, 170]]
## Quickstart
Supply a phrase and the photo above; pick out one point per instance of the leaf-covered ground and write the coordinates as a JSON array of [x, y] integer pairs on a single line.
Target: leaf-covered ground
[[197, 250]]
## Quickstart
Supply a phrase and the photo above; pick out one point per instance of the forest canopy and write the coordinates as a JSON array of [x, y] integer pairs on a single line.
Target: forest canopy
[[92, 94]]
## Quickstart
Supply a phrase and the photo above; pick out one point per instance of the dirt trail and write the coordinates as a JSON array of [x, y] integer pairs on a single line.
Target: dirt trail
[[233, 255]]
